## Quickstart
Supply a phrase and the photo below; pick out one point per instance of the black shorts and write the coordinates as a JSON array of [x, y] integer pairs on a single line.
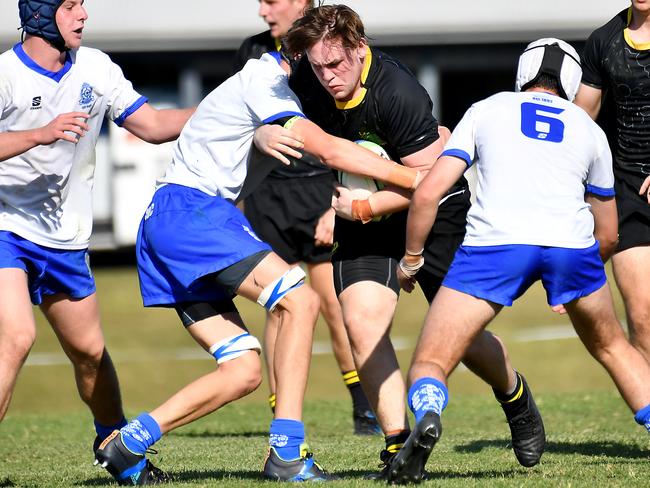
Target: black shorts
[[633, 211], [379, 269], [284, 213], [446, 236]]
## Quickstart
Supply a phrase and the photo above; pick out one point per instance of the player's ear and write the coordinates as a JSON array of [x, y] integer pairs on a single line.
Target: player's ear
[[362, 48]]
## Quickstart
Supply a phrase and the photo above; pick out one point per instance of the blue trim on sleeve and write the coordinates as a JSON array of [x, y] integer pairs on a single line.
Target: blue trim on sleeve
[[272, 118], [134, 106], [460, 154], [603, 192], [31, 64]]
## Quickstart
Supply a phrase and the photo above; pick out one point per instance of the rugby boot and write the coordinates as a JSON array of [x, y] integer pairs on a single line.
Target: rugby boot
[[526, 430], [407, 466], [385, 458], [128, 468], [305, 468], [365, 423]]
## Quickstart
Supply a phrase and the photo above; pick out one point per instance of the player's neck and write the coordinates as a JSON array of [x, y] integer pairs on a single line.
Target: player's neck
[[639, 28], [43, 53]]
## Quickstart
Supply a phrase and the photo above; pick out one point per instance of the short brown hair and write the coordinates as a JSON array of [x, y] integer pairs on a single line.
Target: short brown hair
[[324, 22]]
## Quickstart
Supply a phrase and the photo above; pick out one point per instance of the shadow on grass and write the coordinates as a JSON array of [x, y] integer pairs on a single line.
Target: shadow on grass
[[6, 482], [219, 435], [438, 475], [186, 477], [589, 448]]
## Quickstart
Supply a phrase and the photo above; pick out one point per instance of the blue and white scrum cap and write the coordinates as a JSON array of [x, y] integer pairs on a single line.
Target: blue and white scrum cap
[[555, 58], [38, 18]]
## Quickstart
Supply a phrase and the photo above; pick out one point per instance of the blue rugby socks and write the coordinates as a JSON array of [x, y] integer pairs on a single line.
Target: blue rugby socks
[[103, 431], [642, 417], [285, 437], [427, 394], [141, 433]]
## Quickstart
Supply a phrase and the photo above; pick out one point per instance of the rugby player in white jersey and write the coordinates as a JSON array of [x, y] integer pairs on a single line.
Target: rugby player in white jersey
[[54, 95], [545, 211], [196, 250]]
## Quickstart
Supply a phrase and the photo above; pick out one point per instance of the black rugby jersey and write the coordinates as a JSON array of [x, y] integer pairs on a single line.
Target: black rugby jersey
[[394, 111], [252, 48], [613, 63]]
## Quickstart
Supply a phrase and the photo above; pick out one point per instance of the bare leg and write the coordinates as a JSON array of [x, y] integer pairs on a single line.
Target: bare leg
[[17, 331], [451, 325], [487, 357], [76, 324], [230, 381], [320, 277], [298, 311], [368, 310], [595, 322], [630, 268], [270, 336]]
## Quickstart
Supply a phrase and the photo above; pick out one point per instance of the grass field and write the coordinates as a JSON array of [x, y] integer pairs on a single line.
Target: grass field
[[45, 439]]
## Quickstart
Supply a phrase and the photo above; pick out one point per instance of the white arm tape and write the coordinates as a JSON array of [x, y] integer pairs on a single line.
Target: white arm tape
[[234, 346], [277, 289]]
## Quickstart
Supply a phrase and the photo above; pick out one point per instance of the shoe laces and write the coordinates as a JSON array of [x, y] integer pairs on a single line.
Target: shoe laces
[[157, 474], [306, 453], [524, 423]]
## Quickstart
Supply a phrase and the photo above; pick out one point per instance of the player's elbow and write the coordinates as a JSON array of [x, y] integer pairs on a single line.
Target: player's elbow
[[607, 243], [424, 198]]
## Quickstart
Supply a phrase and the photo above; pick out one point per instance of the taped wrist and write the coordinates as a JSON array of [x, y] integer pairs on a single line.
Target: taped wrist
[[411, 264], [403, 177], [361, 210]]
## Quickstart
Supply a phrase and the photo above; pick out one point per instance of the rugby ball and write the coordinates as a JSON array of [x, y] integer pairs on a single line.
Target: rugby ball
[[360, 186]]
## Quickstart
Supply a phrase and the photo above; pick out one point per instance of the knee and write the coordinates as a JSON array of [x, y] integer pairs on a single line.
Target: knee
[[18, 344], [245, 373], [302, 301]]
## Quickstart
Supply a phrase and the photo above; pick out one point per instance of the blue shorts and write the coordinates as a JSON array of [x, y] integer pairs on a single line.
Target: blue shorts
[[501, 274], [49, 271], [184, 236]]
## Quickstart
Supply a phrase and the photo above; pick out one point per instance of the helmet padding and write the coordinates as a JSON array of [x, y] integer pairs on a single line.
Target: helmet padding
[[552, 57], [38, 18]]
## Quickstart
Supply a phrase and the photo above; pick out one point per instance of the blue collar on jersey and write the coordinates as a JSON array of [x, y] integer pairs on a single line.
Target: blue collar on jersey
[[31, 64]]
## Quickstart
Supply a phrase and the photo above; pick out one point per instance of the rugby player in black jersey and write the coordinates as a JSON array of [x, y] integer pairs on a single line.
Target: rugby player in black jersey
[[615, 65], [291, 211], [361, 93]]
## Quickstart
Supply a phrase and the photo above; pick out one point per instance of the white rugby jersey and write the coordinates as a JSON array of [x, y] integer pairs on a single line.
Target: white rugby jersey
[[213, 152], [45, 193], [536, 154]]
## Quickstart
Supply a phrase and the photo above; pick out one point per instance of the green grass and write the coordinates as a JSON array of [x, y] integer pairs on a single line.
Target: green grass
[[593, 441]]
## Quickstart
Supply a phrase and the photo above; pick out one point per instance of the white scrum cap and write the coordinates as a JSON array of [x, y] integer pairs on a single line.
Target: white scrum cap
[[553, 57]]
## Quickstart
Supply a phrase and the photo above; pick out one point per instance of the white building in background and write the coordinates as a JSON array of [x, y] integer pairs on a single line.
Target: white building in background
[[178, 51]]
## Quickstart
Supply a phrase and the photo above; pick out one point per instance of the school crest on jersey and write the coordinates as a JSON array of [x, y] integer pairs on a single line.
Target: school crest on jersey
[[366, 135], [86, 96]]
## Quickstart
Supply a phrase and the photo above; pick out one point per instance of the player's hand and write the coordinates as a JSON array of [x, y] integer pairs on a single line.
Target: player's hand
[[559, 309], [277, 141], [645, 189], [406, 283], [324, 233], [67, 127], [342, 202]]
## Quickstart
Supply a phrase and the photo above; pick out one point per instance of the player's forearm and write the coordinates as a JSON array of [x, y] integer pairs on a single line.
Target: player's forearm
[[15, 143], [419, 223], [389, 201], [157, 126], [349, 157]]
